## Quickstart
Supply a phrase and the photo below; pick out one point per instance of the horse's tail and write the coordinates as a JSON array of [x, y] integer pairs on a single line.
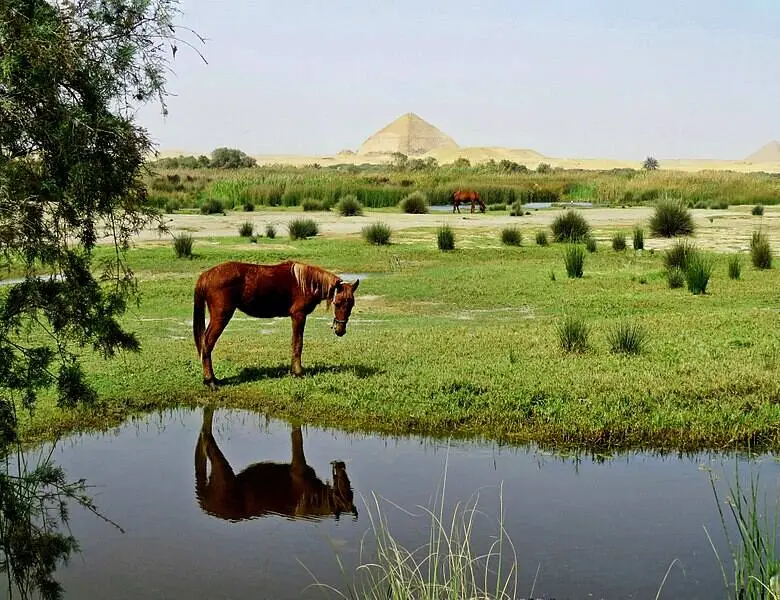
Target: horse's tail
[[199, 314]]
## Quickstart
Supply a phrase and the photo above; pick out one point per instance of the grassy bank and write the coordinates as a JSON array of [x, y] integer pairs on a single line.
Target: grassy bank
[[381, 186], [467, 343]]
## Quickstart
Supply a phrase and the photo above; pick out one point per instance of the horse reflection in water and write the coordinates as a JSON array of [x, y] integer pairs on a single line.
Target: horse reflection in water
[[288, 489]]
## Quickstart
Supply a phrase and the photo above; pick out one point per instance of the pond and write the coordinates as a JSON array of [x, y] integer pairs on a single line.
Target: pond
[[193, 527]]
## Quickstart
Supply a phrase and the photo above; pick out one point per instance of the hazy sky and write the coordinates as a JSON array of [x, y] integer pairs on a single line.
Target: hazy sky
[[575, 78]]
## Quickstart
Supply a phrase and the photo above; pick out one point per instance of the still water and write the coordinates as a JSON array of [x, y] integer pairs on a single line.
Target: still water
[[194, 527]]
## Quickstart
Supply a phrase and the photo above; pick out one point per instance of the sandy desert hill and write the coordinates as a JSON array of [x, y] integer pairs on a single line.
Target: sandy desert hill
[[415, 137]]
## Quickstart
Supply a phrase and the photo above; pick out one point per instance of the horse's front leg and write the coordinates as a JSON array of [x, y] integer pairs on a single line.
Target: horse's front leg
[[298, 324]]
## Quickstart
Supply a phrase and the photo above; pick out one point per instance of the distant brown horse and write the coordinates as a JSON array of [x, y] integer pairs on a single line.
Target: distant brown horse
[[266, 488], [288, 289], [463, 196]]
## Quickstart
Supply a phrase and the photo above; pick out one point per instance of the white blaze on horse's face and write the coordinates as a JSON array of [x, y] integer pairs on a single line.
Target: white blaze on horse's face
[[343, 301]]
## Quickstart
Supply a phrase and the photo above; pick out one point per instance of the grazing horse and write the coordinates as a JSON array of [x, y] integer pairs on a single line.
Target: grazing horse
[[463, 196], [265, 488], [264, 291]]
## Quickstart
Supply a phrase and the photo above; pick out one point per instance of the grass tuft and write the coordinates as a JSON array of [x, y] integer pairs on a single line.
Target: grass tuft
[[212, 207], [626, 338], [679, 254], [377, 234], [313, 204], [574, 259], [675, 277], [541, 238], [246, 229], [671, 218], [638, 239], [619, 241], [758, 210], [182, 245], [590, 244], [573, 334], [735, 266], [300, 229], [570, 227], [415, 203], [270, 231], [445, 238], [760, 251], [349, 206], [697, 273], [511, 236]]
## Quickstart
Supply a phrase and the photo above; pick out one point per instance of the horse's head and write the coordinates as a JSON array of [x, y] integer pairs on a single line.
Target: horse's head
[[343, 301], [341, 491]]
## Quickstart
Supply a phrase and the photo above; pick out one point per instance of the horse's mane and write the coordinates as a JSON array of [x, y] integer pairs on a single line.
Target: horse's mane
[[315, 281]]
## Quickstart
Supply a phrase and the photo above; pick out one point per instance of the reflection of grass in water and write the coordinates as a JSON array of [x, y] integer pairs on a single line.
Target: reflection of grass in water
[[753, 552], [448, 566]]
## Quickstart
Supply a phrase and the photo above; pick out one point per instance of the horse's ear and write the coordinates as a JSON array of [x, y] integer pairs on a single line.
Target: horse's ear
[[355, 285]]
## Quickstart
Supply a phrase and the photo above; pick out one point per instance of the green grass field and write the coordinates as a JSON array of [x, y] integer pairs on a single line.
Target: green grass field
[[465, 343]]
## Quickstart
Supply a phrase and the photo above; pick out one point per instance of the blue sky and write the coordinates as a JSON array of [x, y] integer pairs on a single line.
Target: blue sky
[[583, 78]]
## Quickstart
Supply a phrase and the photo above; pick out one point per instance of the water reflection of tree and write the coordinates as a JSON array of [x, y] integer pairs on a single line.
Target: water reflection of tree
[[34, 534]]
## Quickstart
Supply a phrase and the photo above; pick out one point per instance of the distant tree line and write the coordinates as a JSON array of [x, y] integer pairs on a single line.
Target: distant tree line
[[221, 158]]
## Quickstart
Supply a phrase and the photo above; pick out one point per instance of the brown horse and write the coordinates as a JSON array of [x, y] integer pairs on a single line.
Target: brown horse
[[266, 488], [264, 291], [463, 196]]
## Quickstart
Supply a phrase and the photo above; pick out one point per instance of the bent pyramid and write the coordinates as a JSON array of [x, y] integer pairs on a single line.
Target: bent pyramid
[[769, 153], [408, 134]]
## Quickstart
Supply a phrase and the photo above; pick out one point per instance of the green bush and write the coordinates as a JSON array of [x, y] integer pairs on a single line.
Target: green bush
[[300, 229], [590, 244], [270, 231], [698, 273], [182, 245], [212, 207], [639, 238], [758, 210], [678, 255], [626, 338], [574, 259], [671, 218], [172, 206], [246, 229], [516, 210], [249, 207], [415, 203], [496, 207], [541, 238], [445, 238], [573, 334], [760, 251], [570, 227], [675, 277], [377, 233], [312, 204], [619, 241], [735, 266], [349, 206], [511, 236]]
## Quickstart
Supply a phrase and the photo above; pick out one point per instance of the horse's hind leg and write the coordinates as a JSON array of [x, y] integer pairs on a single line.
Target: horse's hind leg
[[298, 325], [218, 320]]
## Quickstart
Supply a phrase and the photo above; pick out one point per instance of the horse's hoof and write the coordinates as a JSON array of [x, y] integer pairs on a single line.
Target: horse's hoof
[[296, 372], [211, 383]]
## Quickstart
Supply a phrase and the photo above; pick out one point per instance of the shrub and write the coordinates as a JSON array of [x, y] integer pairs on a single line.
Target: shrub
[[573, 334], [212, 207], [735, 266], [639, 238], [300, 229], [619, 241], [541, 238], [760, 251], [270, 231], [182, 245], [246, 229], [312, 204], [445, 238], [626, 338], [249, 207], [671, 218], [570, 227], [377, 233], [172, 206], [415, 203], [349, 206], [758, 210], [678, 255], [675, 277], [511, 236], [495, 207], [573, 259], [516, 210], [698, 273], [590, 244]]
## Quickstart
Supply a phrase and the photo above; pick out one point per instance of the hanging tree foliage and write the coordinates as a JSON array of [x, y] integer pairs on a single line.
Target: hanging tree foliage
[[72, 73]]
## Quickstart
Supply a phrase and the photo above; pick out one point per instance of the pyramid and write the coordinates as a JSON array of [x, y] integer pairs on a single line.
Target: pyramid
[[769, 153], [408, 134]]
